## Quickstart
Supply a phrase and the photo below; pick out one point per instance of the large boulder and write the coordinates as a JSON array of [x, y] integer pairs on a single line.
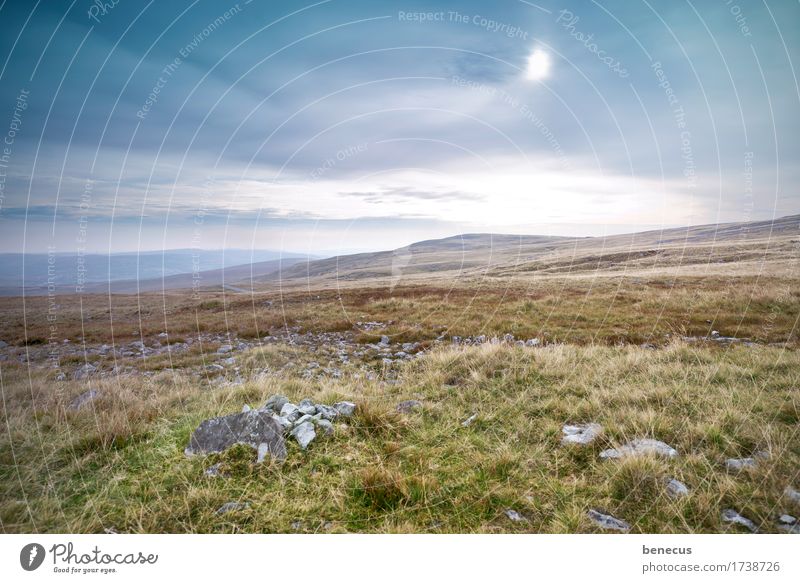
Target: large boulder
[[255, 428]]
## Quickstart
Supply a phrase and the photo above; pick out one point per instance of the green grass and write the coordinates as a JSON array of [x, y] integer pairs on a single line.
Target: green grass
[[120, 464]]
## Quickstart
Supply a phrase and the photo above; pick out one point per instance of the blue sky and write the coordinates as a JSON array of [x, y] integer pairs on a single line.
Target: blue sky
[[338, 126]]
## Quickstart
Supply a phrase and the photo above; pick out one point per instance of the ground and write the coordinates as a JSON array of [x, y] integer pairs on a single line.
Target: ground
[[709, 367]]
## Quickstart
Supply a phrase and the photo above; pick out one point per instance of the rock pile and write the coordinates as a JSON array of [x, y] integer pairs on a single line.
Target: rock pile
[[264, 429]]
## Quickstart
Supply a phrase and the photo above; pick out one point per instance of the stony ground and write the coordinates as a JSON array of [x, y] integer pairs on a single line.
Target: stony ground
[[483, 433]]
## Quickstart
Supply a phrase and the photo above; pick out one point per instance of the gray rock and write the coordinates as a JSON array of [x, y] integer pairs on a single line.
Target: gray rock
[[607, 521], [532, 342], [677, 489], [581, 434], [291, 412], [385, 340], [730, 515], [304, 419], [307, 407], [790, 528], [326, 426], [787, 519], [514, 515], [792, 494], [254, 428], [224, 349], [639, 447], [304, 434], [85, 371], [285, 424], [83, 399], [327, 412], [345, 408], [739, 464], [232, 507], [275, 402], [468, 421], [245, 408], [408, 406]]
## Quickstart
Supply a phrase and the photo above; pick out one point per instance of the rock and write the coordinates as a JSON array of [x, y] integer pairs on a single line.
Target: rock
[[787, 519], [730, 515], [326, 412], [232, 507], [408, 406], [245, 408], [532, 342], [326, 426], [304, 434], [739, 464], [677, 489], [639, 447], [285, 424], [3, 344], [345, 408], [790, 528], [276, 402], [254, 428], [581, 434], [792, 494], [514, 515], [214, 471], [224, 349], [304, 419], [607, 521], [85, 371], [307, 407], [83, 399], [508, 338], [291, 412], [385, 341], [468, 421]]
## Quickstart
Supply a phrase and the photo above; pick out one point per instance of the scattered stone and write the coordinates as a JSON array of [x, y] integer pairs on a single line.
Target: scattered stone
[[224, 349], [254, 428], [739, 464], [677, 489], [792, 494], [83, 399], [607, 521], [787, 519], [345, 408], [515, 516], [408, 406], [532, 342], [232, 507], [304, 434], [790, 528], [468, 421], [85, 371], [639, 447], [730, 515], [276, 402], [581, 434]]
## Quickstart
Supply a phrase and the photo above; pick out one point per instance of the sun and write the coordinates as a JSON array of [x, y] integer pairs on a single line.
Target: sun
[[538, 65]]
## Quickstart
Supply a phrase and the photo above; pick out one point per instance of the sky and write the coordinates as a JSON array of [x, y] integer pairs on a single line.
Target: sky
[[339, 126]]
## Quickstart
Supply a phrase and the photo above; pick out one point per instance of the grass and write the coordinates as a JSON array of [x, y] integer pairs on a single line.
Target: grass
[[119, 464]]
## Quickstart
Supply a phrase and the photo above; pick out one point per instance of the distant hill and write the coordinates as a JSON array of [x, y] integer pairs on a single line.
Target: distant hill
[[480, 254], [175, 267]]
